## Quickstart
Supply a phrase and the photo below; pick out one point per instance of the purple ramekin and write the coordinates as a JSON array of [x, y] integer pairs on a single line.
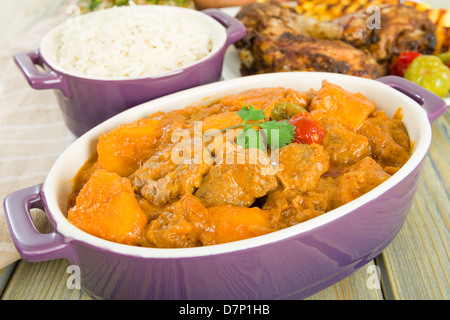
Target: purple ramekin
[[288, 264], [87, 101]]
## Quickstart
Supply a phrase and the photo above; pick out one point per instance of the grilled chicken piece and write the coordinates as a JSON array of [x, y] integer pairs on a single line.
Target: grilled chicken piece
[[271, 19], [297, 53], [401, 28]]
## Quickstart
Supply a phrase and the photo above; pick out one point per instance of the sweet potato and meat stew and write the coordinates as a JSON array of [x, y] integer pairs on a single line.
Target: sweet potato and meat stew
[[249, 164]]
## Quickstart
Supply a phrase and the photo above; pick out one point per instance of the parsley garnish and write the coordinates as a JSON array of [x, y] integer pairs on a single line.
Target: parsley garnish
[[250, 113], [273, 134]]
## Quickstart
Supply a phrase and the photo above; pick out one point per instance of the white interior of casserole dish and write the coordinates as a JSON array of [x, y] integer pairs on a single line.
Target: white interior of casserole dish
[[58, 184], [217, 33]]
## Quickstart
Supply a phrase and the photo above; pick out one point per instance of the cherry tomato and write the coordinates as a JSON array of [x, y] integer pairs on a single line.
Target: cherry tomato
[[400, 64], [307, 129]]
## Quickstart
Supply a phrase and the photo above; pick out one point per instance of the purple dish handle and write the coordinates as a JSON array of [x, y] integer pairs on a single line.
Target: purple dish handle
[[27, 62], [434, 105], [235, 29], [32, 245]]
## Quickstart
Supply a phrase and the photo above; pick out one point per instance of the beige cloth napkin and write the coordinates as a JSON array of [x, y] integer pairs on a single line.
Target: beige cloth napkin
[[32, 131]]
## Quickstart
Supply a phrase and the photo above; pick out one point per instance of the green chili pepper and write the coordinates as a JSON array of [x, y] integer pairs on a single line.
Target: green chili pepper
[[431, 73], [285, 110], [445, 57]]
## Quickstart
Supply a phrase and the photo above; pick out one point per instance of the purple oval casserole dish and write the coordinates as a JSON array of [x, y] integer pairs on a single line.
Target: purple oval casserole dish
[[289, 264], [86, 101]]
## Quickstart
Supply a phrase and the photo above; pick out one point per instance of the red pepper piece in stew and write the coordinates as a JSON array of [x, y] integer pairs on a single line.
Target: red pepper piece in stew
[[307, 129]]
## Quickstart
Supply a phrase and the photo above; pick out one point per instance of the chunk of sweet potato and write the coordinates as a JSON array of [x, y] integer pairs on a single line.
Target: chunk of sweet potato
[[349, 109], [264, 98], [258, 98], [106, 208], [221, 121], [230, 223], [123, 149], [301, 166]]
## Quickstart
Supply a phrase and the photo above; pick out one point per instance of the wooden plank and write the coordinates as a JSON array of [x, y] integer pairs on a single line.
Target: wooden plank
[[42, 281], [354, 287], [418, 260]]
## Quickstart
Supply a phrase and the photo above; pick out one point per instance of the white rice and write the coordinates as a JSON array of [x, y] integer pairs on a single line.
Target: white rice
[[131, 43]]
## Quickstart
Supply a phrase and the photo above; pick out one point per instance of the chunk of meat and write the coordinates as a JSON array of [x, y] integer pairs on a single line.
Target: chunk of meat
[[151, 211], [342, 146], [238, 183], [230, 223], [349, 109], [297, 206], [389, 140], [106, 208], [182, 180], [162, 180], [125, 148], [179, 225], [359, 179], [301, 165]]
